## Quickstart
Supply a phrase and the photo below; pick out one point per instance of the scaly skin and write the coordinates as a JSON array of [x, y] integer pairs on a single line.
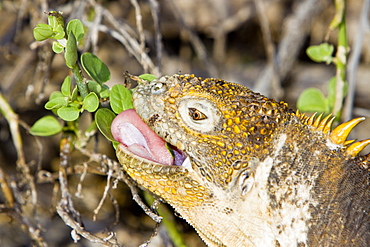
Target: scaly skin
[[260, 174]]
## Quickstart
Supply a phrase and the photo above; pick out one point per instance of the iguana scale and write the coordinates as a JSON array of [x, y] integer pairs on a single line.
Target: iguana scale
[[246, 170]]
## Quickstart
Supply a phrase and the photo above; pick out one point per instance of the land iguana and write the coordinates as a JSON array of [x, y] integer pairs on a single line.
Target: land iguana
[[245, 170]]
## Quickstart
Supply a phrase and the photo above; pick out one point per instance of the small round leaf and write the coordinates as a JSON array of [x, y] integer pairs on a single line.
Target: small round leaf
[[147, 77], [120, 99], [77, 28], [46, 126], [312, 100], [71, 51], [105, 92], [104, 118], [321, 53], [56, 103], [68, 113], [42, 32], [66, 86], [57, 47], [91, 102], [95, 68], [55, 94], [94, 86]]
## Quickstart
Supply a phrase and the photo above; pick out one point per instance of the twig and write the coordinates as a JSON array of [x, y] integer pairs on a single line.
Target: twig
[[196, 42], [93, 33], [154, 8], [354, 60], [118, 173], [140, 30], [295, 30], [12, 119], [65, 208], [106, 190], [277, 91]]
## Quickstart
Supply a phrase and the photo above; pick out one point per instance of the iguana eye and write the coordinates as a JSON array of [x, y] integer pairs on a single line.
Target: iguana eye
[[199, 114], [196, 115]]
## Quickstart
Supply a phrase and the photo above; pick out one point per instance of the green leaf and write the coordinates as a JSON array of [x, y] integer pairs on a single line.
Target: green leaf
[[59, 33], [120, 99], [42, 32], [115, 144], [46, 126], [312, 100], [66, 86], [57, 47], [55, 94], [95, 68], [321, 53], [68, 113], [56, 22], [56, 103], [104, 118], [91, 102], [105, 92], [74, 94], [147, 77], [94, 86], [71, 51], [55, 19], [77, 28]]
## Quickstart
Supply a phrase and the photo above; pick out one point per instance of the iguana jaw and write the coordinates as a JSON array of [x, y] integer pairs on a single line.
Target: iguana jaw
[[146, 158]]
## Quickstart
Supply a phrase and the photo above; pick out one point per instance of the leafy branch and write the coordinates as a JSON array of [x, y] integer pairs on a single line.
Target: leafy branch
[[76, 96], [87, 94], [312, 99]]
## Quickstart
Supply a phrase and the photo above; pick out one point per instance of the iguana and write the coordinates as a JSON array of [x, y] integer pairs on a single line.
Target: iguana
[[245, 170]]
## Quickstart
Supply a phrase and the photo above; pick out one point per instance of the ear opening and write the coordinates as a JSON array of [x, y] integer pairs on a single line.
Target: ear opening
[[246, 181]]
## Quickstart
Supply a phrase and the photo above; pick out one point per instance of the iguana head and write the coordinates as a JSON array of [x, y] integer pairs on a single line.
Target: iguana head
[[210, 125], [207, 147]]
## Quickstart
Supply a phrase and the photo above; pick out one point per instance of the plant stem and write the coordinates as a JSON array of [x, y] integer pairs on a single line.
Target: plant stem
[[82, 87], [340, 61]]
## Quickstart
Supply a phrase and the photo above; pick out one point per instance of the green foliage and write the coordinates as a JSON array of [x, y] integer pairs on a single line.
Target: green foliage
[[77, 28], [70, 54], [70, 101], [120, 99], [147, 77], [313, 100], [91, 102], [95, 68], [42, 32], [69, 112], [53, 30], [66, 86], [46, 126], [321, 53]]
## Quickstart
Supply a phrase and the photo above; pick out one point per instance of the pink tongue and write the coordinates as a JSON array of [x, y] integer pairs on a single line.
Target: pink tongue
[[128, 129]]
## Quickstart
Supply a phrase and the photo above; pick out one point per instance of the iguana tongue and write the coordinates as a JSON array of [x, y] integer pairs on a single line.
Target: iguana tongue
[[128, 129]]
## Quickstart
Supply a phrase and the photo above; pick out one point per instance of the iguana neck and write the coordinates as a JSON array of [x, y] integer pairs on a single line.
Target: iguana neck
[[295, 193]]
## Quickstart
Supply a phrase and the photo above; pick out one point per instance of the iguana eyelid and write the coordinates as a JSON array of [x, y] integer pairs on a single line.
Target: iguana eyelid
[[158, 88], [196, 115]]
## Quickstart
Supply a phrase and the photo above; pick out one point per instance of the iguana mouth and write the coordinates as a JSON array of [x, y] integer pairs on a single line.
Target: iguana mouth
[[137, 138]]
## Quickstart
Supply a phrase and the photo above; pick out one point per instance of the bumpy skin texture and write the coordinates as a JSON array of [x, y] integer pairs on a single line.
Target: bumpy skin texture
[[260, 174]]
